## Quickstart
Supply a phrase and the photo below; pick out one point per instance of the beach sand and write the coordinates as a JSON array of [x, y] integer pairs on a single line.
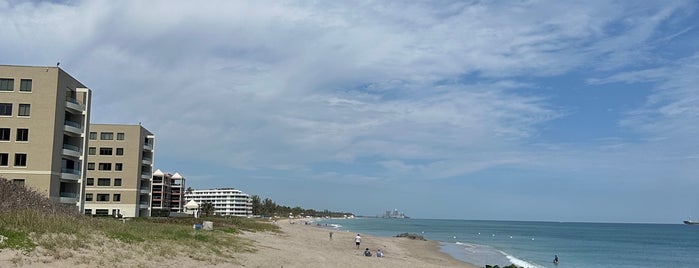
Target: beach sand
[[297, 245]]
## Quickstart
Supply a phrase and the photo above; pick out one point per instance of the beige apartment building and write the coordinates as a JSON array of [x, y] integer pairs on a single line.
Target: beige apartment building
[[44, 116], [119, 170]]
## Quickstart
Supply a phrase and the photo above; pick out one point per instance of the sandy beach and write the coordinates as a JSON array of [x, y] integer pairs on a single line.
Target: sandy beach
[[297, 245]]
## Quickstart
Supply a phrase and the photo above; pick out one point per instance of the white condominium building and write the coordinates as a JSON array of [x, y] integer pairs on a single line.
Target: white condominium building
[[226, 201]]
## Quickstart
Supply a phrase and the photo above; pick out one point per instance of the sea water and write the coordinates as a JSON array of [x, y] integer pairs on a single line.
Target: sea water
[[534, 244]]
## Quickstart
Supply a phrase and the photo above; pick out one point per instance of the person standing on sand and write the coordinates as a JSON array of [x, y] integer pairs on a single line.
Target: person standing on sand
[[357, 240], [331, 235]]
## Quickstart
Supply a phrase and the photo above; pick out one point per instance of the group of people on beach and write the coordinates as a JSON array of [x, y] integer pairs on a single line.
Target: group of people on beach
[[367, 252]]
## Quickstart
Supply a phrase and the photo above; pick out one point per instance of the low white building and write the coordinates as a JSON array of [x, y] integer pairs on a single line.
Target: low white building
[[226, 201]]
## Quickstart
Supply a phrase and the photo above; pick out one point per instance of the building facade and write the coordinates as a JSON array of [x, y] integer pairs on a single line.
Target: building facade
[[44, 121], [226, 201], [119, 170], [168, 193]]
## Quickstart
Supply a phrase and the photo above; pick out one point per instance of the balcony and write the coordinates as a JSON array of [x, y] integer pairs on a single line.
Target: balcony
[[75, 105], [147, 160], [70, 174], [71, 150], [144, 190], [68, 198], [143, 204], [146, 175], [73, 127], [148, 147]]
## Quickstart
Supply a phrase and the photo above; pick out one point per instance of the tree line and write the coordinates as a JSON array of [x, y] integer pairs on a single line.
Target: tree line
[[268, 208]]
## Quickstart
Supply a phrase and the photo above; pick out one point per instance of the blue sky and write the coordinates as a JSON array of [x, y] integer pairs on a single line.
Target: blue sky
[[511, 110]]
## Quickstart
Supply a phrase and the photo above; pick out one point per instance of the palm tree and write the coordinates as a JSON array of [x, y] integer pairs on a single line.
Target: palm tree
[[207, 208]]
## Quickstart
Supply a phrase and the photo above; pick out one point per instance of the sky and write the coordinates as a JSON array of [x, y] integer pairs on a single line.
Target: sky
[[484, 110]]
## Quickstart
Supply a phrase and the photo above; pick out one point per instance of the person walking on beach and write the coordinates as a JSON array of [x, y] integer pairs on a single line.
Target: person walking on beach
[[357, 240], [331, 235]]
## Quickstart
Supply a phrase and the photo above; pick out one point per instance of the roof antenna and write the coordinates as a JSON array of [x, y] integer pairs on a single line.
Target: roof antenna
[[58, 63]]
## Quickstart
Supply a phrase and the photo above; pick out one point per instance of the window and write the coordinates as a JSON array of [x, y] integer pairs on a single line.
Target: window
[[105, 166], [25, 85], [102, 198], [120, 136], [19, 182], [89, 210], [90, 166], [101, 212], [117, 182], [116, 198], [22, 134], [6, 109], [4, 134], [7, 84], [119, 151], [92, 151], [107, 136], [4, 159], [103, 182], [23, 109], [105, 151], [118, 166], [20, 160], [90, 182], [88, 197], [93, 136]]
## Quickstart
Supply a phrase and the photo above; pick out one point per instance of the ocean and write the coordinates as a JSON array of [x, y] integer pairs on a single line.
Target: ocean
[[534, 244]]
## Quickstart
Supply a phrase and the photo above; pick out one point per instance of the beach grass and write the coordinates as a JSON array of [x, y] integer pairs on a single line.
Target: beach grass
[[30, 222]]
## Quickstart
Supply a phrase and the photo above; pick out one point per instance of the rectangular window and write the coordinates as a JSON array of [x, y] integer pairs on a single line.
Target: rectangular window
[[119, 151], [117, 182], [107, 136], [88, 197], [116, 198], [120, 136], [7, 84], [92, 151], [20, 160], [118, 166], [6, 109], [25, 85], [4, 134], [105, 151], [102, 212], [90, 166], [89, 210], [93, 136], [90, 182], [102, 198], [22, 134], [19, 182], [103, 182], [105, 166], [4, 159], [23, 109]]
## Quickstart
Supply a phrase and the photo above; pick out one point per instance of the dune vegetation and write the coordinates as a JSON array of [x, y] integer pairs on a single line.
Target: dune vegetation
[[31, 223]]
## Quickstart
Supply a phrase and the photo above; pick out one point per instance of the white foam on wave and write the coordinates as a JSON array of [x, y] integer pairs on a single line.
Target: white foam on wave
[[336, 226], [521, 263]]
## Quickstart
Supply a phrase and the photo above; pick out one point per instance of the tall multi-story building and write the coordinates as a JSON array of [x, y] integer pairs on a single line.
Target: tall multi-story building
[[226, 201], [44, 117], [168, 193], [119, 170]]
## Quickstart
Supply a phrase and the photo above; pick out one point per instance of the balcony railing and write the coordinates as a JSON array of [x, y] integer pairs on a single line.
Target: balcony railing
[[72, 147], [73, 124], [70, 171], [69, 194]]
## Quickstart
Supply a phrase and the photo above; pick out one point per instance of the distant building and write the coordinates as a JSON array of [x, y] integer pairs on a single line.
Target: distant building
[[119, 170], [44, 117], [226, 201], [168, 193]]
